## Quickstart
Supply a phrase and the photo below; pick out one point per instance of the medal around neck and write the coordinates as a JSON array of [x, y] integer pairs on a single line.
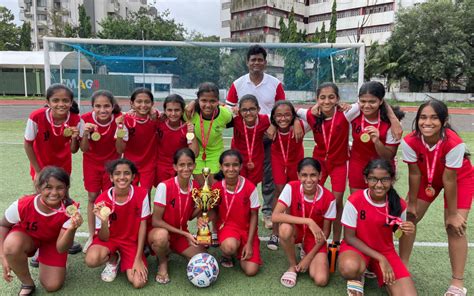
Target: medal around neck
[[95, 136], [67, 132]]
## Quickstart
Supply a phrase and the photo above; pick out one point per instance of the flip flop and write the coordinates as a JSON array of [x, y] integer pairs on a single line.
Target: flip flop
[[288, 279], [227, 262], [31, 289], [162, 278], [456, 291]]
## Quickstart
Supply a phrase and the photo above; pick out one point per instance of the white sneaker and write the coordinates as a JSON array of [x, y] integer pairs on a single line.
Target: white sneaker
[[87, 245], [110, 272]]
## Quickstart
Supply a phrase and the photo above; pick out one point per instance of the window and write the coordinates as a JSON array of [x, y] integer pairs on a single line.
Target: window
[[162, 87]]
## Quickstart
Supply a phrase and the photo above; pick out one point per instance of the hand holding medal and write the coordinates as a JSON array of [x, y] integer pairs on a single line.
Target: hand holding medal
[[102, 211], [120, 127], [190, 132], [369, 131]]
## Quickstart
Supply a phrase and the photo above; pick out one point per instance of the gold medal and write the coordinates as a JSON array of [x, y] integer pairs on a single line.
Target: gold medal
[[190, 136], [71, 210], [95, 136], [250, 165], [120, 133], [398, 233], [365, 138], [67, 132], [105, 212], [430, 191]]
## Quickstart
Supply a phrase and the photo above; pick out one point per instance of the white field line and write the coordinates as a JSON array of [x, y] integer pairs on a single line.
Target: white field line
[[266, 238]]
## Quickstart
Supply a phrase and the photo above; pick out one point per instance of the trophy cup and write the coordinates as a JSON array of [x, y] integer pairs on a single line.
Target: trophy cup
[[205, 199]]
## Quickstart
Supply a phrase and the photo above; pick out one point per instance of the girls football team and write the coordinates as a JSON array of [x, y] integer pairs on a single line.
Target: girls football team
[[170, 150]]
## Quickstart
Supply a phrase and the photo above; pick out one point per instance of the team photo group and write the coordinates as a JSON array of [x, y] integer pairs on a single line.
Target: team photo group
[[201, 185]]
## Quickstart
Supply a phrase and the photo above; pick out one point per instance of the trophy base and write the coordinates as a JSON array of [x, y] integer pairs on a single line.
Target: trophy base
[[204, 239]]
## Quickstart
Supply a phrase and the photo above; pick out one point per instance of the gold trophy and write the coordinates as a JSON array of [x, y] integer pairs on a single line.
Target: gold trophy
[[205, 199]]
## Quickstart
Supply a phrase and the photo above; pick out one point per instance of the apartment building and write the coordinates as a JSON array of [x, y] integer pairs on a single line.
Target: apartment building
[[40, 13]]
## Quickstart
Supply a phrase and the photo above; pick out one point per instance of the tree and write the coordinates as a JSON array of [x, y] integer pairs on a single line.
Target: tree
[[430, 44], [316, 36], [25, 37], [8, 30], [84, 29], [322, 35], [332, 28]]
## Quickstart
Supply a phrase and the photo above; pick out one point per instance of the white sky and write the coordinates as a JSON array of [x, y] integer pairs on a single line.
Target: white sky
[[200, 15]]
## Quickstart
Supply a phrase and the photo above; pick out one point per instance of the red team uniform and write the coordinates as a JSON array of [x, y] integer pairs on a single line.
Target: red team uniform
[[141, 139], [51, 147], [234, 215], [43, 228], [124, 224], [323, 207], [96, 179], [362, 153], [368, 219], [292, 151], [179, 208], [170, 140], [239, 143], [450, 155]]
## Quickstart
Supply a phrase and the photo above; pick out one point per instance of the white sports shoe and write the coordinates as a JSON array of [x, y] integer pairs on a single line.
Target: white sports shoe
[[87, 245], [110, 272]]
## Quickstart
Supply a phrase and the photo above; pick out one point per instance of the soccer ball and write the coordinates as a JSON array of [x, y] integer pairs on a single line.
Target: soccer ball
[[202, 270]]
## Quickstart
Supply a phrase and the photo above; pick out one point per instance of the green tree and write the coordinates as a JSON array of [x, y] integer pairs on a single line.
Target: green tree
[[332, 28], [70, 31], [322, 35], [84, 29], [8, 30], [25, 37], [316, 36]]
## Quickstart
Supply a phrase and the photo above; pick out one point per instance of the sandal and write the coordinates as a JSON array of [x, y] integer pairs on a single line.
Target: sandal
[[31, 290], [214, 240], [456, 291], [369, 274], [288, 279], [162, 278], [227, 262], [354, 286]]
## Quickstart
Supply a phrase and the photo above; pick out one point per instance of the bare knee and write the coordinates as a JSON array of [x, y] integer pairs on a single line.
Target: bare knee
[[285, 231], [349, 269], [250, 269], [321, 280], [138, 284], [94, 258], [52, 285], [229, 247], [159, 238]]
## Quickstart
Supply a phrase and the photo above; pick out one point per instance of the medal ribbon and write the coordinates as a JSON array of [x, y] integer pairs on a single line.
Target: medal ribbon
[[135, 119], [53, 127], [395, 220], [96, 129], [204, 139], [431, 168], [114, 198], [304, 208], [283, 152], [229, 207], [362, 123], [249, 147], [327, 140], [181, 212], [62, 208], [180, 127]]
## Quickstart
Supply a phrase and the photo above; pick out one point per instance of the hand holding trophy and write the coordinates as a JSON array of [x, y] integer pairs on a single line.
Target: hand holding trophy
[[205, 199]]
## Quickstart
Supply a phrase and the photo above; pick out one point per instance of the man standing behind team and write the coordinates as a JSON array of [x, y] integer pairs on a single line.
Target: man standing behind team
[[268, 90]]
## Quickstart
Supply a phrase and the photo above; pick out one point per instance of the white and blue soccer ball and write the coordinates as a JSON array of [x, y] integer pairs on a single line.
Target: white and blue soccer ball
[[202, 270]]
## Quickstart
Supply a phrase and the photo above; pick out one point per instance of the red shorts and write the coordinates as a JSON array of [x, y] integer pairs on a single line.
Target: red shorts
[[356, 174], [178, 243], [163, 173], [393, 259], [308, 242], [255, 175], [145, 178], [279, 175], [47, 252], [242, 236], [96, 179], [338, 174], [465, 188], [127, 251]]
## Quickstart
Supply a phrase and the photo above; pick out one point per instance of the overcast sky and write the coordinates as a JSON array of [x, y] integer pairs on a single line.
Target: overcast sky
[[200, 15]]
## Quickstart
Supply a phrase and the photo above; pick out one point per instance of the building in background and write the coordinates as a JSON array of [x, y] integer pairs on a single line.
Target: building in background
[[359, 20], [40, 13]]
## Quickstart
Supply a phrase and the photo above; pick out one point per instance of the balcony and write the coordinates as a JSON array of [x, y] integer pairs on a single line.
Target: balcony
[[254, 21]]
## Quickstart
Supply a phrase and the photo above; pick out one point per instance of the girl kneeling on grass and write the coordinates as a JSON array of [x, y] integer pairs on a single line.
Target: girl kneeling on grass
[[174, 207], [121, 214], [47, 222], [305, 211], [370, 218]]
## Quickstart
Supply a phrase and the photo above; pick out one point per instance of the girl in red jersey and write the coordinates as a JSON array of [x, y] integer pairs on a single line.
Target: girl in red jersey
[[305, 211], [173, 134], [284, 163], [98, 145], [47, 222], [174, 207], [137, 138], [371, 217], [121, 218], [331, 134], [249, 130], [51, 133], [437, 159], [237, 215], [372, 135]]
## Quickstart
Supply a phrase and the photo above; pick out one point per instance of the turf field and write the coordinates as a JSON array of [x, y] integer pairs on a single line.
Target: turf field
[[429, 266]]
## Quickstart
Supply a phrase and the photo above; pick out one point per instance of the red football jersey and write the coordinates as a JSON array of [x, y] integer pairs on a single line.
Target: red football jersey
[[169, 141]]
